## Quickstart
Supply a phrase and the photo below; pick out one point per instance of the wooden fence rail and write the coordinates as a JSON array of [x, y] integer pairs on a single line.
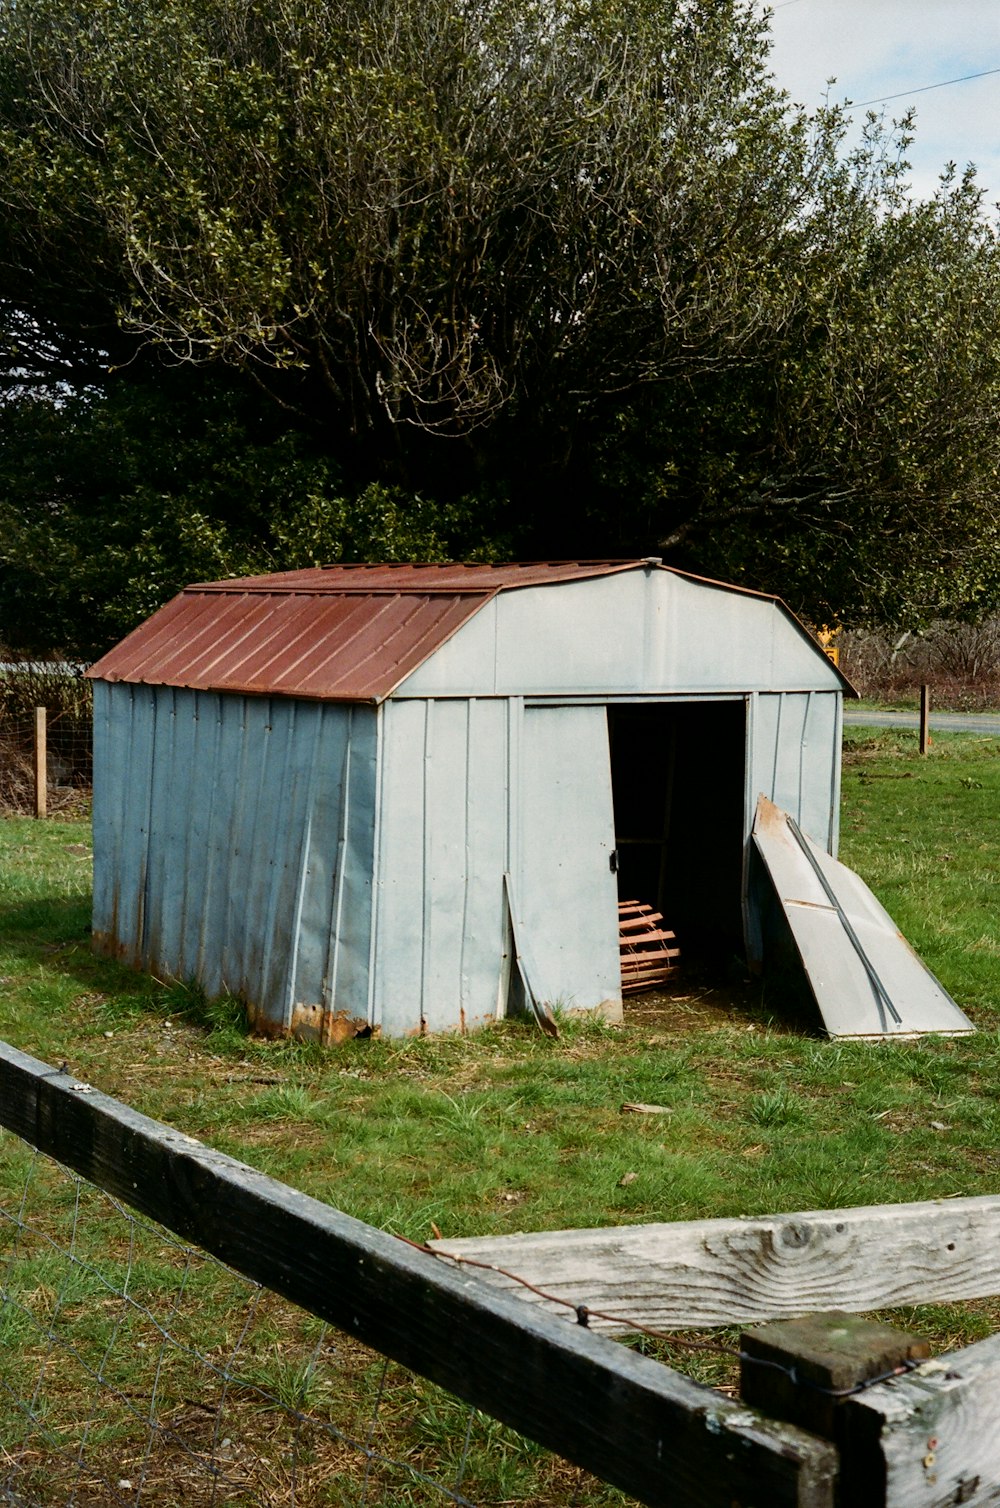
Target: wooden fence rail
[[926, 1439], [697, 1273], [630, 1420]]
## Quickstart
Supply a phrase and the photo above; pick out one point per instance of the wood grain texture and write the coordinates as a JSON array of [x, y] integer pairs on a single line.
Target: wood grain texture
[[699, 1273], [930, 1439], [655, 1434]]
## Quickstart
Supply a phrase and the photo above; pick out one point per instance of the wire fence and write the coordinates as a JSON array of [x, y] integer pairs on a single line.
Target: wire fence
[[68, 762]]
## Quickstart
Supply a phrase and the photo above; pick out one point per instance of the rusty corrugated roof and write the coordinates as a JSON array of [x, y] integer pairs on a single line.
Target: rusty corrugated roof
[[331, 633], [407, 576], [352, 648]]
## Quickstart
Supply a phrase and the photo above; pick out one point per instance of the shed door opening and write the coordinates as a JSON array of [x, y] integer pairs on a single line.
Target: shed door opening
[[677, 776]]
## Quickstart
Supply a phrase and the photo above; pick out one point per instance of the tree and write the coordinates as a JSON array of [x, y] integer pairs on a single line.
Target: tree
[[857, 473], [109, 504], [584, 266], [441, 215]]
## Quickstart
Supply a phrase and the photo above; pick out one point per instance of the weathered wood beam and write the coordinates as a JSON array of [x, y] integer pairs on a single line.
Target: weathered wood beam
[[653, 1433], [930, 1439], [699, 1273]]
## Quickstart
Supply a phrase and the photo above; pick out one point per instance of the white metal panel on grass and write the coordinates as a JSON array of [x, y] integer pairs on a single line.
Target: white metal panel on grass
[[864, 976], [568, 927]]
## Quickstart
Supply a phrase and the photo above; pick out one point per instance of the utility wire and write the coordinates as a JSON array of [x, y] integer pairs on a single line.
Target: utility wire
[[884, 99]]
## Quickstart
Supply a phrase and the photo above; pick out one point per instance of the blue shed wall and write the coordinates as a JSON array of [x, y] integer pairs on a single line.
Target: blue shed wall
[[234, 846]]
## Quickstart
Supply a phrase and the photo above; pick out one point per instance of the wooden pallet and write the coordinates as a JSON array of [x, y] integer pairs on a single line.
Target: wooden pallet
[[649, 953]]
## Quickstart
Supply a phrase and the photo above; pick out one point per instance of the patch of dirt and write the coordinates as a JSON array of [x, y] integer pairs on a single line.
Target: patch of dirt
[[699, 999]]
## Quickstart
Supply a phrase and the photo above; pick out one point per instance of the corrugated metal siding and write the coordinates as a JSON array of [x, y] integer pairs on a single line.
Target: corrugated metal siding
[[230, 835], [566, 892], [795, 756], [630, 634], [442, 857], [794, 760]]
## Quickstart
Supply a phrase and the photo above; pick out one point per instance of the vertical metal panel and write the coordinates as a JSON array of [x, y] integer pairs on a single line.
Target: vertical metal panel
[[227, 825], [752, 928], [794, 760], [200, 728], [223, 752], [486, 860], [445, 849], [400, 879], [836, 768], [347, 981], [133, 876], [442, 856], [285, 839], [112, 744], [795, 756], [820, 768], [465, 852], [566, 890]]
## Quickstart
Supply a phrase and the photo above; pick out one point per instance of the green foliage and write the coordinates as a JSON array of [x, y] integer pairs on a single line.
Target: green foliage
[[512, 277], [443, 211], [110, 504], [853, 470]]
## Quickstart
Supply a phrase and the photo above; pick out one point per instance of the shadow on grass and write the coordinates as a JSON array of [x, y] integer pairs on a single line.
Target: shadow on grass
[[55, 935]]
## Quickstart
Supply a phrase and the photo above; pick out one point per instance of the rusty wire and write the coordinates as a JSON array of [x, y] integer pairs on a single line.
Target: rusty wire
[[585, 1313]]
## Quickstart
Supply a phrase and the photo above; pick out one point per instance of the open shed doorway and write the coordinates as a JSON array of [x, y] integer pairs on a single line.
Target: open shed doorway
[[677, 777]]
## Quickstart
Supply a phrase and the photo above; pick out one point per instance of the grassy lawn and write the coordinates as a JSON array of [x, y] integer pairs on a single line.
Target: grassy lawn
[[510, 1130]]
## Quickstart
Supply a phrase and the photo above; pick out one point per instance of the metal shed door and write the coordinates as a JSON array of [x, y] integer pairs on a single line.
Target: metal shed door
[[566, 891]]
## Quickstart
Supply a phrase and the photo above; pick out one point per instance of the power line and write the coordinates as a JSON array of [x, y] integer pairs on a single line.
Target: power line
[[905, 93]]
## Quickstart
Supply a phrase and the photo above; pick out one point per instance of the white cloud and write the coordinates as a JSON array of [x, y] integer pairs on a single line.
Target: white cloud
[[875, 48]]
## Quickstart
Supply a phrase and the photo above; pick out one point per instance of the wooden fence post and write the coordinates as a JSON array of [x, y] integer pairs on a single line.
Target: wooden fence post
[[930, 1439], [41, 763], [925, 718], [806, 1370]]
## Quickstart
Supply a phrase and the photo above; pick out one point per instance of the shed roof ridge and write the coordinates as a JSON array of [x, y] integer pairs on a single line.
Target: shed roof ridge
[[270, 587], [487, 577], [347, 633]]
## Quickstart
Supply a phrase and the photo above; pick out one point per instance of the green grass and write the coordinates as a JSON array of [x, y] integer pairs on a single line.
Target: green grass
[[509, 1130]]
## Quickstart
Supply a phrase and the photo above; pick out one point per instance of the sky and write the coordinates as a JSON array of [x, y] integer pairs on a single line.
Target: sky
[[875, 48]]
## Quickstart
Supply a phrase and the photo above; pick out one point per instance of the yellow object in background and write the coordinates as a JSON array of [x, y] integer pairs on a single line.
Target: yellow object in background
[[826, 637]]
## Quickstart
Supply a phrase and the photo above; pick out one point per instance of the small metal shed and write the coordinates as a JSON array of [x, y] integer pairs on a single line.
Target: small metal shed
[[406, 798]]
